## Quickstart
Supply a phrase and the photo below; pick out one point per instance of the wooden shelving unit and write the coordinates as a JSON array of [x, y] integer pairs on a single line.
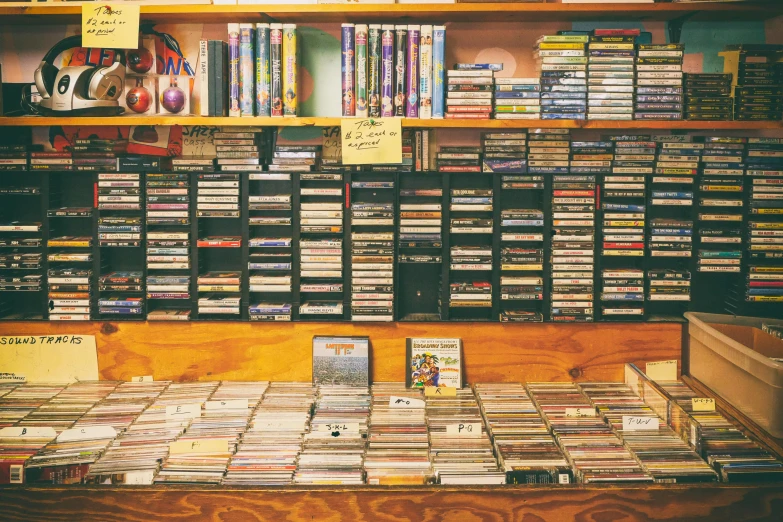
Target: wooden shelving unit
[[43, 121], [467, 12]]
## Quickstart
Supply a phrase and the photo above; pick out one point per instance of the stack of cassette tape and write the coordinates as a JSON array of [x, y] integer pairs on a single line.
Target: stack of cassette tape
[[764, 162], [321, 244], [295, 158], [721, 204], [671, 199], [521, 227], [168, 245], [238, 150], [517, 99], [573, 240], [659, 82], [460, 449], [469, 93], [622, 293], [708, 97], [611, 74], [562, 64], [525, 449], [623, 227], [372, 274], [623, 197], [669, 284], [459, 159], [504, 152], [758, 92]]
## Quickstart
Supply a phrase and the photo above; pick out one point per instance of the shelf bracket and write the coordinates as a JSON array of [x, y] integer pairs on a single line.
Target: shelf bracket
[[675, 27]]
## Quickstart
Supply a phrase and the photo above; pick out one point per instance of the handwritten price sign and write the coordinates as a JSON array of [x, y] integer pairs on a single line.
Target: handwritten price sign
[[114, 26], [371, 141], [703, 404]]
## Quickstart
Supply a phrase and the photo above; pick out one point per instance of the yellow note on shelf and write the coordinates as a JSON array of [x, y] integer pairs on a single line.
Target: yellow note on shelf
[[440, 391], [371, 141], [662, 370], [703, 404], [114, 26]]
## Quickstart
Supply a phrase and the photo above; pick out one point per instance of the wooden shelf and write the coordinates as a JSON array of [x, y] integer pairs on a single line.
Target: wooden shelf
[[467, 12], [708, 503], [42, 121], [278, 351]]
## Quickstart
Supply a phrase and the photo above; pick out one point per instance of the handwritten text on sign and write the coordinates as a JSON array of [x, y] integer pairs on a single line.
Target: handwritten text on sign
[[48, 358], [631, 423], [371, 141], [115, 26], [703, 404], [405, 402], [467, 429], [579, 412], [440, 391], [345, 427], [662, 370]]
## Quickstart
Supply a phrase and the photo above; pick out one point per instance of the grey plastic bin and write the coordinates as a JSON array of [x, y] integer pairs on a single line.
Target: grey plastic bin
[[731, 355]]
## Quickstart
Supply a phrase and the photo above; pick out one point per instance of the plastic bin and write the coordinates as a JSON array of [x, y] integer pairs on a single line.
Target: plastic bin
[[731, 355]]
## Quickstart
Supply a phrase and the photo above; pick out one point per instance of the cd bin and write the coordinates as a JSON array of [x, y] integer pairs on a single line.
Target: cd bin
[[733, 357]]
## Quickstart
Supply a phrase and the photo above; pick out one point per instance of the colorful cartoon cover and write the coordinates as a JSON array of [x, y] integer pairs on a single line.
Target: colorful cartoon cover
[[433, 362]]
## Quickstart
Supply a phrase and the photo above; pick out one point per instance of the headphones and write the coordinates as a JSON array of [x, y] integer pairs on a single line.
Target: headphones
[[82, 89]]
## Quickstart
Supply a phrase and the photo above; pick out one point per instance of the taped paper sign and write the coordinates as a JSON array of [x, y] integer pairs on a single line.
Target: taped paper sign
[[113, 26], [371, 141], [48, 358]]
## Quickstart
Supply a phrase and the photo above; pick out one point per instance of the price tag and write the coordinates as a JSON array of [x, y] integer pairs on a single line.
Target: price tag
[[662, 370], [183, 411], [467, 429], [340, 428], [579, 412], [406, 403], [87, 433], [440, 391], [28, 432], [632, 423], [113, 26], [179, 447], [371, 141], [142, 378], [703, 404], [232, 404]]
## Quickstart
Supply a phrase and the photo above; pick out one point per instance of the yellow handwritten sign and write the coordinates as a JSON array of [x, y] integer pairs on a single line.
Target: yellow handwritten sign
[[48, 358], [662, 370], [703, 404], [115, 26], [371, 141], [440, 391]]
